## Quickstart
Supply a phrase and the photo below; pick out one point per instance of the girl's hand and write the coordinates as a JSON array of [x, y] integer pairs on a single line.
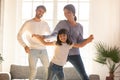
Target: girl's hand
[[38, 36], [35, 35]]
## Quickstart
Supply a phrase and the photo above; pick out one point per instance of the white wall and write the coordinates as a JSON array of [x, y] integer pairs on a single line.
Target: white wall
[[1, 30], [105, 25], [9, 33]]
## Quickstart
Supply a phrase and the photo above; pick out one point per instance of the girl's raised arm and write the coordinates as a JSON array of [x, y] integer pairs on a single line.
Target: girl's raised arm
[[41, 39]]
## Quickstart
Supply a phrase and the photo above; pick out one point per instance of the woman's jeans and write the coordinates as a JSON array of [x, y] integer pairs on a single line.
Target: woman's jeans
[[55, 71], [34, 55], [76, 61]]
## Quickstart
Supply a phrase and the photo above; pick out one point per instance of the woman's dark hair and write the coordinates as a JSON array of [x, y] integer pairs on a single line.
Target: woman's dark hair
[[63, 31]]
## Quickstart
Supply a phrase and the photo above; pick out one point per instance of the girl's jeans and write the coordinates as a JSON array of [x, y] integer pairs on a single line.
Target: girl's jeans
[[76, 61], [34, 55], [55, 71]]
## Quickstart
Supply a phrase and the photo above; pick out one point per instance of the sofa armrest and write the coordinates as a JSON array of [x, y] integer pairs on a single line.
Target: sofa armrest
[[94, 77], [5, 76]]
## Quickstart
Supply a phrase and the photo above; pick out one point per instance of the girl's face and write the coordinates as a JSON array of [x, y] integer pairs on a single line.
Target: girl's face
[[63, 37], [68, 14]]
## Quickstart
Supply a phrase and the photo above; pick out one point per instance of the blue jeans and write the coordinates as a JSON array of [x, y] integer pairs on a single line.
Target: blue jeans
[[55, 71], [34, 55], [76, 61]]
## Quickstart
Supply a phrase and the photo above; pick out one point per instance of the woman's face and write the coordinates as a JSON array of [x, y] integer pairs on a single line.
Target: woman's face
[[63, 37], [68, 14]]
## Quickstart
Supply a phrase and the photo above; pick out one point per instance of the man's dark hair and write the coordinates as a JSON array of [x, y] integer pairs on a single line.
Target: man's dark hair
[[41, 6], [63, 31]]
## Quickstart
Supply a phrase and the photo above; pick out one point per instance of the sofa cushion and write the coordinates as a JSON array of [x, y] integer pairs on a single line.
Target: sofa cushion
[[5, 76], [22, 72]]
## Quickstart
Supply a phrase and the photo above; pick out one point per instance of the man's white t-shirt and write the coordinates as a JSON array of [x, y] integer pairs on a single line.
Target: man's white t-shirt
[[32, 27]]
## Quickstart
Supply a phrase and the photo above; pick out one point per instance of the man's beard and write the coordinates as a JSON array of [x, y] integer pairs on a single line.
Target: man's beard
[[39, 16]]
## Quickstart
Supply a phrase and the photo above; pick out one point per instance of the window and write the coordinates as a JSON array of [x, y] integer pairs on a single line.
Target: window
[[52, 16]]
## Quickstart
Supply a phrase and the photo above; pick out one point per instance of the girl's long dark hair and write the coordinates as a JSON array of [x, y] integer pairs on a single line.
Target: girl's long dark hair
[[63, 31]]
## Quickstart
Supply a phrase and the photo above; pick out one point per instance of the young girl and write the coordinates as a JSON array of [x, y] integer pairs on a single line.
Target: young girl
[[62, 47]]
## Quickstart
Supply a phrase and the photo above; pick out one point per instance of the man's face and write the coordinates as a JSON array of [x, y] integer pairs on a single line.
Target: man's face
[[40, 12]]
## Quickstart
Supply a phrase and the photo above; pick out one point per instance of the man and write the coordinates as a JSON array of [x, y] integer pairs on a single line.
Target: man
[[33, 47]]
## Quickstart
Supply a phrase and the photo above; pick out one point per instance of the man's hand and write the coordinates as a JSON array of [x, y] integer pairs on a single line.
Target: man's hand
[[27, 49]]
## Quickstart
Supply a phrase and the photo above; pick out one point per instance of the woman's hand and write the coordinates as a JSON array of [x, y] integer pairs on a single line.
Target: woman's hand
[[90, 38]]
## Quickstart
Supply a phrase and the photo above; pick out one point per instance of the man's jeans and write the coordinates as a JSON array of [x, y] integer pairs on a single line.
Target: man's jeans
[[55, 71], [76, 61], [34, 55]]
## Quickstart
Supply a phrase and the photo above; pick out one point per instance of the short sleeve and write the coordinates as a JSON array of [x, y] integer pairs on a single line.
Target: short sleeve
[[71, 45]]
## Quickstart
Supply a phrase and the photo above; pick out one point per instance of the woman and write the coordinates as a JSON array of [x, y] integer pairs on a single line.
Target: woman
[[76, 35]]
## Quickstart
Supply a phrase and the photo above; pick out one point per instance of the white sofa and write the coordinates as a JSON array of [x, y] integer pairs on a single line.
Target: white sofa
[[18, 72]]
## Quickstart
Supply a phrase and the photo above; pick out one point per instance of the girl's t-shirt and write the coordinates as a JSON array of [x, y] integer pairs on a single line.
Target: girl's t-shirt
[[61, 54], [75, 32]]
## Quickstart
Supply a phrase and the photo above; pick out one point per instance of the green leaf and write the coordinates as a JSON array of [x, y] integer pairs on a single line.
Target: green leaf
[[107, 55]]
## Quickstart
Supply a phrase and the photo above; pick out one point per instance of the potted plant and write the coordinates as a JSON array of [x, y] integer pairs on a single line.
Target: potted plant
[[109, 56], [1, 58]]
